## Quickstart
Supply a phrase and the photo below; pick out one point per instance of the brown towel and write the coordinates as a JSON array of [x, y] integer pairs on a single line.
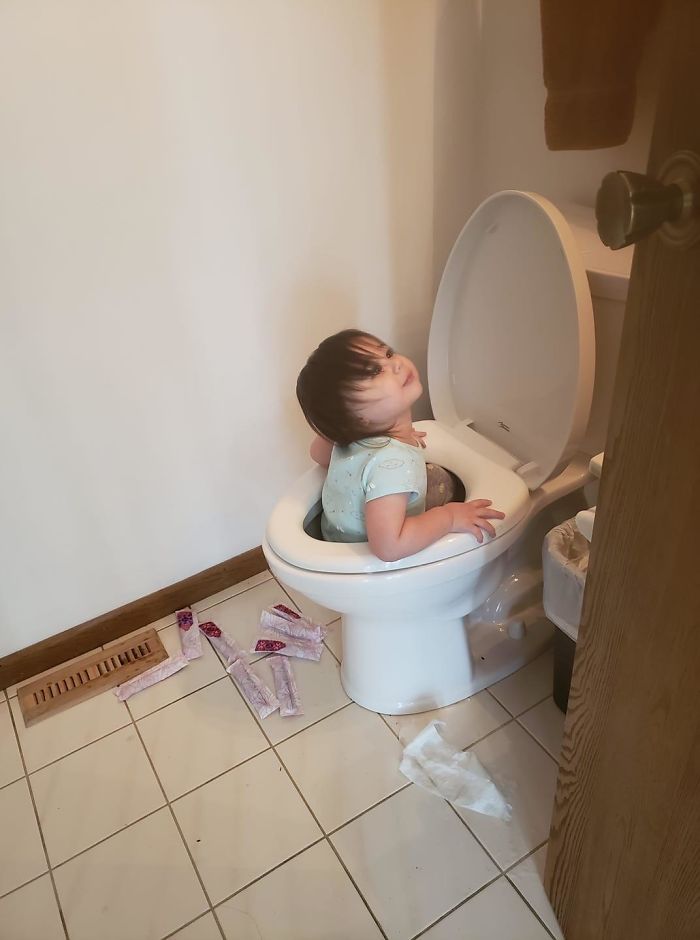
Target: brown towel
[[591, 52]]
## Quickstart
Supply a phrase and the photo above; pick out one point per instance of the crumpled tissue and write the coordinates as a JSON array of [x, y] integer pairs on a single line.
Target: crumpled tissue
[[458, 776]]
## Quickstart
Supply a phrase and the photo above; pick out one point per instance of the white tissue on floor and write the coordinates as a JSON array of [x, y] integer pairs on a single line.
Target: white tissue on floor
[[458, 776]]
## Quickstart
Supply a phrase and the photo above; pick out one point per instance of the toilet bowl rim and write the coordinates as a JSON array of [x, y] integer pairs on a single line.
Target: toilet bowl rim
[[286, 537]]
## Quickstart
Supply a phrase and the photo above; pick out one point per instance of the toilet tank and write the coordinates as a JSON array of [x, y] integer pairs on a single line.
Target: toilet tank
[[608, 278]]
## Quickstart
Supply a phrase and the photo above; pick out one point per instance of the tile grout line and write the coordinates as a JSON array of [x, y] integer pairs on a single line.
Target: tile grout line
[[444, 916], [384, 799], [321, 829], [506, 874], [527, 903], [24, 883], [177, 824], [502, 870], [10, 782], [41, 834], [179, 795], [537, 741], [249, 884], [454, 810], [185, 926], [223, 600]]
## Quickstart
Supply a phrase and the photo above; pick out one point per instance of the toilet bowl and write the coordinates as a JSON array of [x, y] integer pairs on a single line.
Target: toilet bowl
[[511, 370]]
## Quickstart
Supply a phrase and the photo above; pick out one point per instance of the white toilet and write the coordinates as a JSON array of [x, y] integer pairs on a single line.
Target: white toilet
[[520, 382]]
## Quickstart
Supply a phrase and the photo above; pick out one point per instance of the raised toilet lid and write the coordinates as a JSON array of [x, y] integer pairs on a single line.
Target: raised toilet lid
[[512, 350]]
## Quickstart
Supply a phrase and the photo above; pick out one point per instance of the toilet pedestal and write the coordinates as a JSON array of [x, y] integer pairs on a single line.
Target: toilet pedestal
[[457, 659]]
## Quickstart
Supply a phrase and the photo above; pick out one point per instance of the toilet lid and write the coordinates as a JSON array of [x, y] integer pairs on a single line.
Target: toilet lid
[[511, 350]]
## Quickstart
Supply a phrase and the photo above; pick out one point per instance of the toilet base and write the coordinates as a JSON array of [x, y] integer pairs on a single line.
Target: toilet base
[[470, 657]]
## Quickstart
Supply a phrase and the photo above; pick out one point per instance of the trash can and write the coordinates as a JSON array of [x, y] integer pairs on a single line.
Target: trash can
[[564, 563]]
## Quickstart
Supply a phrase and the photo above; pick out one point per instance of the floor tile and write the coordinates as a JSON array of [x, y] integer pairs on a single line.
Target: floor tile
[[526, 776], [546, 722], [412, 860], [30, 913], [93, 792], [527, 686], [465, 722], [202, 929], [320, 691], [198, 673], [334, 639], [239, 616], [315, 612], [309, 897], [344, 764], [244, 823], [11, 690], [140, 883], [231, 591], [10, 761], [60, 734], [24, 857], [528, 878], [200, 736], [496, 913]]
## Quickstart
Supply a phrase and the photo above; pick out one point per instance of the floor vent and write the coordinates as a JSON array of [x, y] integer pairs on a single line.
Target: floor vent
[[94, 673]]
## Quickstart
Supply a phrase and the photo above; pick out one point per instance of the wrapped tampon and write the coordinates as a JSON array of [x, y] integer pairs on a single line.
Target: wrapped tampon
[[270, 641], [288, 622], [148, 678], [257, 693], [190, 639], [225, 644], [285, 686]]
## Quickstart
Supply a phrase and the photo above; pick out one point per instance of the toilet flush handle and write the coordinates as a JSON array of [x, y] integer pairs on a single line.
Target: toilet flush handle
[[630, 206]]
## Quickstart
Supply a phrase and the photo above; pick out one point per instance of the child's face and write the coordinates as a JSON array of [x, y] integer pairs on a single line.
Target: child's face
[[387, 395]]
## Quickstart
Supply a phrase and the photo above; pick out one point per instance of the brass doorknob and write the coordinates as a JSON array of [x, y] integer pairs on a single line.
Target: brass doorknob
[[630, 205]]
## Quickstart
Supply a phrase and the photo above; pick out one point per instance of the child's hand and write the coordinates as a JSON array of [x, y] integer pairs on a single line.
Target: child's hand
[[419, 437], [473, 517]]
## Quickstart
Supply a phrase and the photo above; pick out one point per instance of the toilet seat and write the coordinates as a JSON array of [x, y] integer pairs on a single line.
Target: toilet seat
[[483, 479]]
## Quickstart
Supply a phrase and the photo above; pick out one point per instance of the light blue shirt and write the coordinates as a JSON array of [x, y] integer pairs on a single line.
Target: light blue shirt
[[366, 470]]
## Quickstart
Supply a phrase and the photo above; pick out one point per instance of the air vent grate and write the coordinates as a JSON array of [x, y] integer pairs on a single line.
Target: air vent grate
[[95, 673]]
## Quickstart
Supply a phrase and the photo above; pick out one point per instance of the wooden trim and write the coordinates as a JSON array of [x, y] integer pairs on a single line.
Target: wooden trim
[[54, 650]]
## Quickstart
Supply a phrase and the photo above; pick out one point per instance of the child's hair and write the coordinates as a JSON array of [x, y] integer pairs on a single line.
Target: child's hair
[[327, 381]]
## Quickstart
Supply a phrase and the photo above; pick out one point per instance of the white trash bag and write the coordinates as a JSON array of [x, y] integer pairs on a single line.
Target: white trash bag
[[565, 553]]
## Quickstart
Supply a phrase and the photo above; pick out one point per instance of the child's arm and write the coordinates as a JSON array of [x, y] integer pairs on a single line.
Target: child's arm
[[321, 450], [393, 535]]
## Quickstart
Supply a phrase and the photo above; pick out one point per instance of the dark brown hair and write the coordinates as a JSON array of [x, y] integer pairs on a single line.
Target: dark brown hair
[[326, 383]]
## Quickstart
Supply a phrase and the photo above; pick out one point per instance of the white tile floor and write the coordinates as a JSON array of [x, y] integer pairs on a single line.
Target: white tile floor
[[179, 814]]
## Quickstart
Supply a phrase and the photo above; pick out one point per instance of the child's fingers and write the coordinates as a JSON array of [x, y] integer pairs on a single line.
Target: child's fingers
[[486, 526], [492, 514], [480, 503], [476, 532]]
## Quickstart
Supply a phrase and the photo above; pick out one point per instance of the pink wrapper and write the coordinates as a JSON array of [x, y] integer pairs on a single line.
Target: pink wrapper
[[225, 644], [285, 686], [285, 621], [270, 641], [151, 676], [190, 639], [257, 693]]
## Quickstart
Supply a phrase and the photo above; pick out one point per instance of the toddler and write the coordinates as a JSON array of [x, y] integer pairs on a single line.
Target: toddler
[[357, 395]]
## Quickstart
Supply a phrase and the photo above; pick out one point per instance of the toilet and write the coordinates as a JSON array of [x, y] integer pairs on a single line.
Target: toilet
[[521, 363]]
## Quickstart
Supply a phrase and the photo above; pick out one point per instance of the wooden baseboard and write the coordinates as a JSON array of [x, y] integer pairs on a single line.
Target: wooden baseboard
[[25, 663]]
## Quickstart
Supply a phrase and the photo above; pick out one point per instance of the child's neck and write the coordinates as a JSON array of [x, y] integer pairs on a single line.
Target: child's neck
[[402, 429]]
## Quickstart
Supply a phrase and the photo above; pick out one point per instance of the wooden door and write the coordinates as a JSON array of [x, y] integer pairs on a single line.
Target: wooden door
[[624, 855]]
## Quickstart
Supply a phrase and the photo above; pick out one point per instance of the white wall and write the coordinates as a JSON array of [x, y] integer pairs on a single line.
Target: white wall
[[194, 193], [512, 153]]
